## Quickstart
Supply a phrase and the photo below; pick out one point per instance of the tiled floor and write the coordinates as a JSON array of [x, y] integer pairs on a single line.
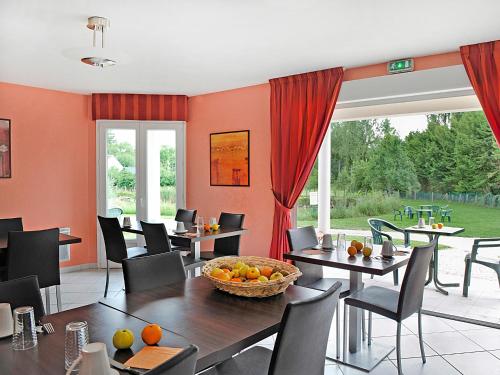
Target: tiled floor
[[452, 347]]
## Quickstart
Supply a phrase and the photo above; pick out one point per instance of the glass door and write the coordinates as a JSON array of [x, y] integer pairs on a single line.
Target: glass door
[[140, 172]]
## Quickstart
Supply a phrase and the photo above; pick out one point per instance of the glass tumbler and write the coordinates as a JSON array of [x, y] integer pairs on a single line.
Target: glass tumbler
[[200, 223], [369, 242], [77, 336], [212, 221], [341, 242], [24, 336]]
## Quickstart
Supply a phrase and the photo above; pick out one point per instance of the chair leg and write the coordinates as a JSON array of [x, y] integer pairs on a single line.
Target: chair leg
[[47, 300], [467, 275], [369, 328], [398, 349], [363, 328], [395, 276], [372, 276], [337, 333], [107, 279], [420, 338], [58, 297], [346, 307]]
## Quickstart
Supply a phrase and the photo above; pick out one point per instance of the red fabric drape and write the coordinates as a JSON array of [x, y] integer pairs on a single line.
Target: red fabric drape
[[139, 107], [301, 109], [482, 63]]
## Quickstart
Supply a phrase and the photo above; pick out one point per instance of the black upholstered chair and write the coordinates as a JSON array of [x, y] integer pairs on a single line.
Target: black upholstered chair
[[6, 226], [376, 226], [228, 245], [114, 242], [36, 253], [300, 347], [475, 257], [312, 274], [395, 305], [153, 271], [187, 217], [183, 363], [23, 292]]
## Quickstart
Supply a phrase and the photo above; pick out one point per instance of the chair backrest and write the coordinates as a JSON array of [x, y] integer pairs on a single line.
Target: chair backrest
[[114, 212], [412, 288], [183, 363], [304, 238], [152, 271], [186, 216], [114, 242], [23, 292], [34, 253], [10, 225], [479, 243], [156, 237], [303, 335], [377, 225], [229, 245]]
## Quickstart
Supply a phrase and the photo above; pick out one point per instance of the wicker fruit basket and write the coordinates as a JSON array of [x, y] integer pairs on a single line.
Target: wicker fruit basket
[[252, 289]]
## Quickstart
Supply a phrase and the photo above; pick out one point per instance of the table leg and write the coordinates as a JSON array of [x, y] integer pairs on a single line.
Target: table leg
[[195, 249], [355, 314], [438, 283], [431, 265]]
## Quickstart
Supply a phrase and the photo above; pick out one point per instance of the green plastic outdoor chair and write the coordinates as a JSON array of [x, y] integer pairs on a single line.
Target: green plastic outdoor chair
[[472, 257], [446, 214]]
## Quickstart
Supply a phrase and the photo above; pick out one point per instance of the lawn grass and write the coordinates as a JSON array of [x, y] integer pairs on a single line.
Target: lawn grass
[[478, 221]]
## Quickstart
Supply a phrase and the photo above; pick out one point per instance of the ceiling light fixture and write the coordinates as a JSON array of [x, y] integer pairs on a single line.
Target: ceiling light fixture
[[98, 25]]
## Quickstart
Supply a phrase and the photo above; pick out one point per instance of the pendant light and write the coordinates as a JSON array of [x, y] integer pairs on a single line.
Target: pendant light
[[98, 25]]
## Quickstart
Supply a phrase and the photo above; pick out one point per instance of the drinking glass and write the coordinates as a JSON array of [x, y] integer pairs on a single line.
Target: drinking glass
[[24, 336], [369, 242], [212, 221], [341, 242], [200, 223], [77, 336]]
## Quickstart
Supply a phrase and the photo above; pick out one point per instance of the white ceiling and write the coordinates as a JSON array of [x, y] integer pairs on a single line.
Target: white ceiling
[[198, 46]]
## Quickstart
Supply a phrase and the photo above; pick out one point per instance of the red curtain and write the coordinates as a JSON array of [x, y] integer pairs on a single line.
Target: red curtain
[[139, 107], [482, 63], [301, 109]]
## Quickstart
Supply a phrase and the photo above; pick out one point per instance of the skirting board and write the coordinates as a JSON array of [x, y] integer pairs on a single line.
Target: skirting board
[[79, 267]]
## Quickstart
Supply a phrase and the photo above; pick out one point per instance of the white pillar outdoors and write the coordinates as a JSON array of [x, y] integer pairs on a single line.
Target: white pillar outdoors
[[324, 181]]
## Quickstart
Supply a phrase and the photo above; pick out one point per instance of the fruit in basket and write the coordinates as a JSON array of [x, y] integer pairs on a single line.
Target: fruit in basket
[[243, 270], [238, 265], [151, 334], [252, 273], [262, 278], [216, 271], [254, 281], [266, 271], [123, 339], [276, 276], [351, 250], [367, 251], [224, 276], [236, 280]]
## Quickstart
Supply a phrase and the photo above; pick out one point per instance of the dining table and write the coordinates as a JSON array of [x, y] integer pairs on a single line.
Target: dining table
[[359, 354], [434, 234], [219, 324], [64, 239]]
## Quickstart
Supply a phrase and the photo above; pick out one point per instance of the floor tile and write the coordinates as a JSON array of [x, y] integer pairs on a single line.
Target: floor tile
[[475, 363], [410, 347], [488, 339], [462, 326], [386, 327], [496, 353], [434, 366], [384, 368], [332, 370], [430, 324], [451, 343]]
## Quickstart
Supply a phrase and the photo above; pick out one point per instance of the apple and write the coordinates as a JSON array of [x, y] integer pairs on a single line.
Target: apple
[[123, 339], [434, 226], [276, 276], [367, 251], [253, 273], [262, 278]]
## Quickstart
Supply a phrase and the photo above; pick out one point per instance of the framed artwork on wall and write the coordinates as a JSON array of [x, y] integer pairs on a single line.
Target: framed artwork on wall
[[230, 158], [5, 149]]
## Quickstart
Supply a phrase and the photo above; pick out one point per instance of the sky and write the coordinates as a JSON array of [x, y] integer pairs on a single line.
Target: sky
[[406, 124]]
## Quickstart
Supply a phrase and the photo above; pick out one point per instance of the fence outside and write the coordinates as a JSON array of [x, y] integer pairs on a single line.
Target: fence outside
[[482, 199]]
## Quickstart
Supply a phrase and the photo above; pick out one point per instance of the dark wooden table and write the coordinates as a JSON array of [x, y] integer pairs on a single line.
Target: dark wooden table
[[218, 323], [64, 239], [433, 266], [48, 356], [359, 355]]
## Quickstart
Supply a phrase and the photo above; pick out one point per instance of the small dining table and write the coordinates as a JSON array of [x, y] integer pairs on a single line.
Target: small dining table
[[64, 239], [435, 233], [359, 355]]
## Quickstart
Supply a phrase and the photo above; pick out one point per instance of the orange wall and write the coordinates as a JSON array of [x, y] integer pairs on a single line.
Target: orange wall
[[53, 164], [240, 109]]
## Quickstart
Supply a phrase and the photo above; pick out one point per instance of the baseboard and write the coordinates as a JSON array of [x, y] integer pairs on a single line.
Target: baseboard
[[79, 267]]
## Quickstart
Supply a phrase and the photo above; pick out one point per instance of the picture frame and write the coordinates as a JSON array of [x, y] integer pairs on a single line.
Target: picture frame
[[5, 148], [230, 158]]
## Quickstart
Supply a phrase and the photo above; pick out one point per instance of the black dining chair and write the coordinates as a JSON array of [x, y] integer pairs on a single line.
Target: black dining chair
[[6, 226], [376, 226], [183, 363], [300, 347], [396, 305], [114, 243], [153, 271], [157, 242], [475, 257], [227, 246], [36, 253], [312, 274], [23, 292], [187, 217]]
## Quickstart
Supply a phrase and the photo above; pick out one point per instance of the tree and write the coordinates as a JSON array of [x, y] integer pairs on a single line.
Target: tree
[[167, 166]]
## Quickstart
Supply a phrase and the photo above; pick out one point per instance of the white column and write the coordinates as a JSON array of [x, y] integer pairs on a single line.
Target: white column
[[324, 181], [153, 174]]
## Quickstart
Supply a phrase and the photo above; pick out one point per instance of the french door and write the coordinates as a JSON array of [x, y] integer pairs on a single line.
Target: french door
[[140, 172]]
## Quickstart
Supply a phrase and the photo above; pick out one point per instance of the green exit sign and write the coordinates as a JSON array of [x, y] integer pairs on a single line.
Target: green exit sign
[[400, 66]]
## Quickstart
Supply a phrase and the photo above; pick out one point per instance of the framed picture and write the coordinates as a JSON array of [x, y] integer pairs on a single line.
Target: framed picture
[[5, 148], [230, 158]]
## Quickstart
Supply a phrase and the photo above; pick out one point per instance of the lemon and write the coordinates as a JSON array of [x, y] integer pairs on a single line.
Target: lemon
[[123, 339]]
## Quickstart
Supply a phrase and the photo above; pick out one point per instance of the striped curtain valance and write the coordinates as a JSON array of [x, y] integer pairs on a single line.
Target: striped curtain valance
[[139, 107]]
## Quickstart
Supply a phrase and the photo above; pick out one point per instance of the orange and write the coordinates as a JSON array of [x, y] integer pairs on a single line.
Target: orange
[[236, 280], [224, 276], [353, 243], [151, 334], [226, 270], [266, 271], [358, 246], [351, 250]]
